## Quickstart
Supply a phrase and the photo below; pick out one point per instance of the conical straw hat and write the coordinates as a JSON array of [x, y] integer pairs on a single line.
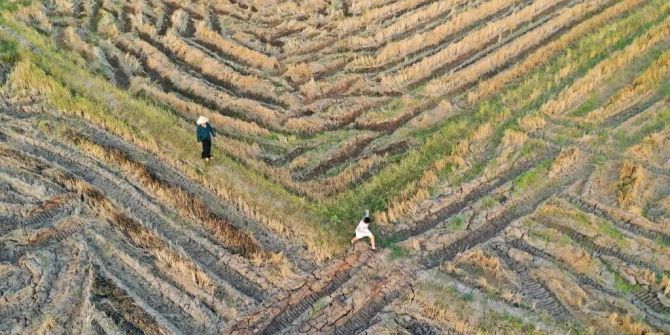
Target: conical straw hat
[[202, 120]]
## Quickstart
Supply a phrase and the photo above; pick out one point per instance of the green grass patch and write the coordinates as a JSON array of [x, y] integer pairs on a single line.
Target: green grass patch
[[531, 147], [469, 296], [318, 305], [471, 173], [569, 134], [599, 159], [489, 202], [574, 329], [611, 231], [664, 89], [622, 285], [398, 252], [662, 242], [625, 139], [8, 51], [494, 322], [531, 177], [580, 218], [542, 234], [12, 5], [456, 222], [564, 240], [590, 104]]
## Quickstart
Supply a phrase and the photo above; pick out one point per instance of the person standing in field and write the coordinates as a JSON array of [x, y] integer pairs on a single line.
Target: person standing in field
[[363, 230], [204, 133]]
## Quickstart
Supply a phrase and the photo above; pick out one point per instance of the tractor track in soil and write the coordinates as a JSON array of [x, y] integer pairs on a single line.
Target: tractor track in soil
[[131, 290], [602, 250], [362, 319], [137, 203], [532, 288], [493, 226], [219, 209], [598, 210], [279, 313], [350, 312], [457, 206], [581, 279], [173, 317], [642, 295]]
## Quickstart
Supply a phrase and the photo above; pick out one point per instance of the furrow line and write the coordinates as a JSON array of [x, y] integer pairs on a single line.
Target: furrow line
[[608, 251], [601, 211], [493, 226], [533, 289], [455, 207], [279, 314], [131, 198]]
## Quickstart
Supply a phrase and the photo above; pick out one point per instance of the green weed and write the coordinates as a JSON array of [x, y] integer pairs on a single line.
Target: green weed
[[622, 285], [318, 305], [505, 323], [530, 177], [8, 51], [590, 104], [542, 234], [398, 252], [456, 223], [661, 241], [564, 240], [468, 296], [12, 5], [611, 231], [489, 202]]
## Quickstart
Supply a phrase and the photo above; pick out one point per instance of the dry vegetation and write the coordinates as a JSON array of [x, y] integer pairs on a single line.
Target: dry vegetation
[[514, 155]]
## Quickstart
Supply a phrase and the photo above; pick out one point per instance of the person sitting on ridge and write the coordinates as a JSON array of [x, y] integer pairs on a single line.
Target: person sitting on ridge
[[204, 133], [362, 230]]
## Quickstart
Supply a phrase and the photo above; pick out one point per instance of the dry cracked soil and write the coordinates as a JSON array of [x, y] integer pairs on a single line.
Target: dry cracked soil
[[515, 155]]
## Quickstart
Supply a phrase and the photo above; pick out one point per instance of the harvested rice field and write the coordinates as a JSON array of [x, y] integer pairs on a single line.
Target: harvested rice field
[[514, 156]]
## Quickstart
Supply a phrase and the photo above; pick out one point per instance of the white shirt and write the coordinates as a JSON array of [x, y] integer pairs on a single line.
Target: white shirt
[[362, 226]]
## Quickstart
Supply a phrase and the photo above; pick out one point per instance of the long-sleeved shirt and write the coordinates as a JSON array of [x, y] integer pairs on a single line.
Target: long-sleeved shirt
[[205, 132]]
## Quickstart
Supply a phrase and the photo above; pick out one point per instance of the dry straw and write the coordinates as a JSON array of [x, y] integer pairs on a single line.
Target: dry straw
[[643, 87], [433, 37], [472, 42], [455, 81], [545, 53], [579, 91], [403, 24], [157, 61], [232, 49]]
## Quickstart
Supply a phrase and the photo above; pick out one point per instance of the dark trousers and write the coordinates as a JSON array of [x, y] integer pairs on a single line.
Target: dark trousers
[[207, 148]]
